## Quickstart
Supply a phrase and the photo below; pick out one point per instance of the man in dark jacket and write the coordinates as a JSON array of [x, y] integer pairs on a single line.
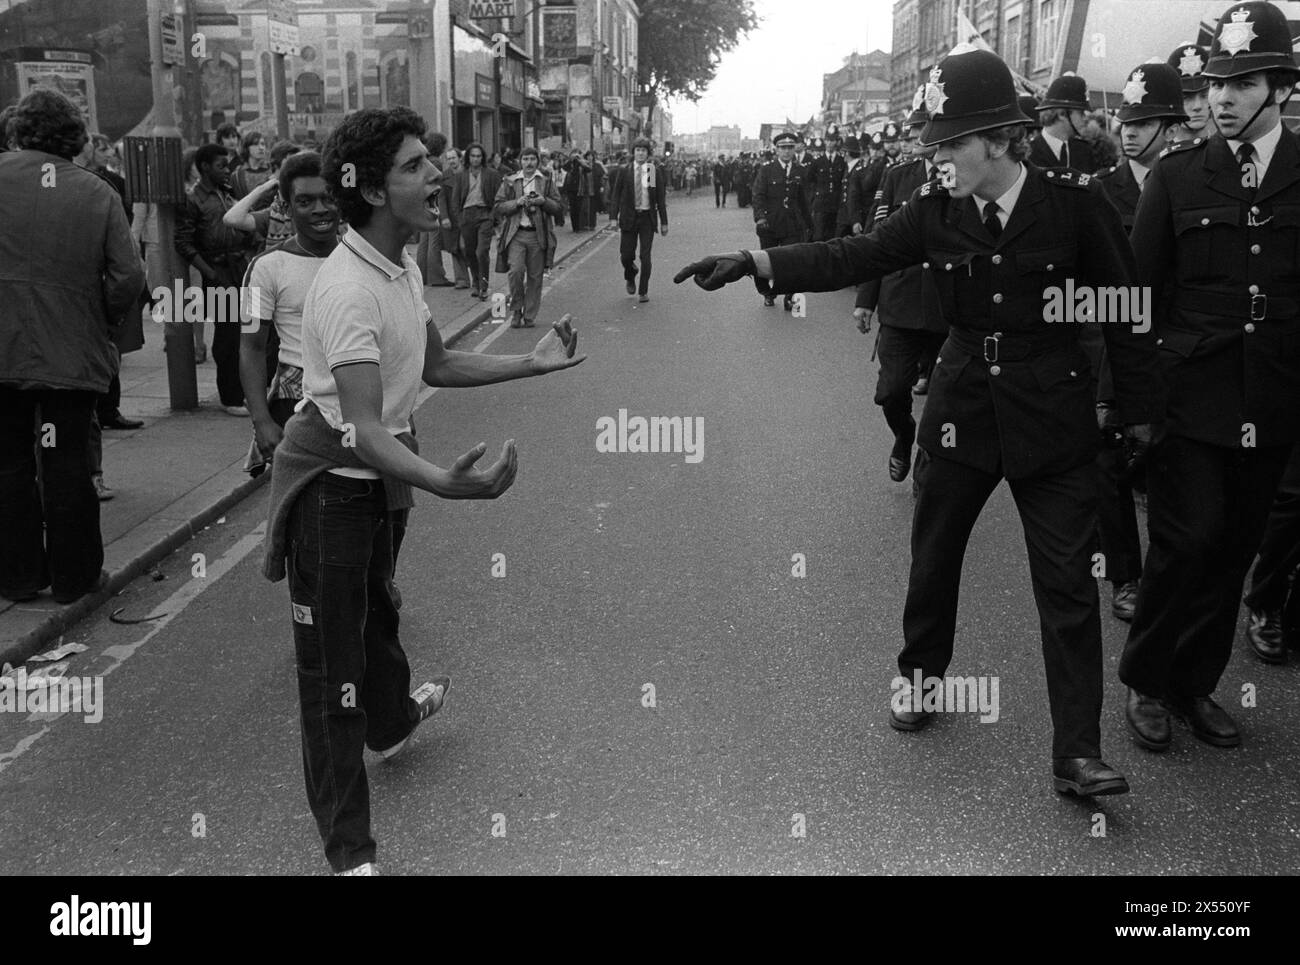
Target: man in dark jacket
[[781, 214], [1061, 144], [220, 253], [70, 273], [641, 209], [1010, 398]]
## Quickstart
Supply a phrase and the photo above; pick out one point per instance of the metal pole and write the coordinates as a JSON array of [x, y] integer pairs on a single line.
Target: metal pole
[[178, 337], [280, 99]]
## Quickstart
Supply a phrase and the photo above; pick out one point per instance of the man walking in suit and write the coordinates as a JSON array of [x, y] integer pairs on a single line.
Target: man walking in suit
[[1010, 397], [721, 181], [524, 201], [1215, 229], [642, 209], [781, 215]]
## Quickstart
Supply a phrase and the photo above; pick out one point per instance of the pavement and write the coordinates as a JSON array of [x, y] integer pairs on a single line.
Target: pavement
[[184, 469]]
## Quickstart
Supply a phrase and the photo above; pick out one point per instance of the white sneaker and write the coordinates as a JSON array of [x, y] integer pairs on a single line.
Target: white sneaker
[[430, 697], [237, 410], [369, 869]]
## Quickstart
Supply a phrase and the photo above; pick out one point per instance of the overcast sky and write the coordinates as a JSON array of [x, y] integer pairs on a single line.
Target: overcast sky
[[777, 70]]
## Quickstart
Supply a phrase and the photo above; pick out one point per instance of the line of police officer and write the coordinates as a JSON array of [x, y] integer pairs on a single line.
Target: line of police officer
[[1205, 393]]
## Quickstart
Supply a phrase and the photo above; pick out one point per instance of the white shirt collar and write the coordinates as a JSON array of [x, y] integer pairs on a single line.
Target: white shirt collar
[[1264, 148], [358, 244], [1139, 171], [1054, 142], [1006, 203]]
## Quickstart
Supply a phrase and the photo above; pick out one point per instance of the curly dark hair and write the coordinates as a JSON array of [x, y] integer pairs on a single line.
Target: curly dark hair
[[304, 164], [47, 121], [368, 141], [6, 118]]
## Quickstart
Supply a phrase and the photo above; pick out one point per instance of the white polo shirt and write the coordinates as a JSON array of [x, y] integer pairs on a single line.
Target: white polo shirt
[[363, 308]]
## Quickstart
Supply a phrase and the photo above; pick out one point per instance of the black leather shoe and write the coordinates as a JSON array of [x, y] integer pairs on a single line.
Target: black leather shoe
[[1148, 722], [1123, 600], [922, 386], [631, 287], [907, 719], [787, 302], [1264, 631], [119, 421], [1208, 720], [1086, 777], [769, 300]]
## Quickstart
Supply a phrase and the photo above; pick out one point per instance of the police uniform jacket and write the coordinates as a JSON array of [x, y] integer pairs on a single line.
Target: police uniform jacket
[[782, 201], [907, 298], [847, 214], [1081, 154], [826, 176], [1123, 190], [1011, 390], [1224, 270]]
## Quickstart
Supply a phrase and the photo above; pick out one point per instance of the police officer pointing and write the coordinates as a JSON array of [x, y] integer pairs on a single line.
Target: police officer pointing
[[1011, 395], [1218, 228]]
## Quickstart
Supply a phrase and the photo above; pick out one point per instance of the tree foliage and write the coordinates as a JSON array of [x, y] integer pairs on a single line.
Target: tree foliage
[[682, 42]]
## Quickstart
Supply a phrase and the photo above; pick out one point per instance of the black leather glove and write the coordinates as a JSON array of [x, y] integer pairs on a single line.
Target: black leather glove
[[714, 271]]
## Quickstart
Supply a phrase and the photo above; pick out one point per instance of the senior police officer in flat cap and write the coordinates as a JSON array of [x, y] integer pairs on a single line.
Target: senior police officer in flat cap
[[1060, 144], [1011, 393], [781, 213], [1218, 228], [1152, 105], [1190, 60]]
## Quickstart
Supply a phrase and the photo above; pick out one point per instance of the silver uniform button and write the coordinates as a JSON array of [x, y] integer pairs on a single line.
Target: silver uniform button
[[997, 259], [1050, 267], [995, 370], [1205, 221], [925, 264], [1250, 327], [948, 266], [1255, 249], [997, 299], [1254, 289]]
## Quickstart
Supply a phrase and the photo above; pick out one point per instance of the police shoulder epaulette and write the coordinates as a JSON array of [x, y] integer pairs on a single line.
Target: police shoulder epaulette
[[1068, 176], [1179, 146], [1106, 172], [932, 189]]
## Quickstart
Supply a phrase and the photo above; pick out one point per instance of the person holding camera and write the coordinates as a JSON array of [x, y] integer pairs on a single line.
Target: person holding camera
[[526, 199]]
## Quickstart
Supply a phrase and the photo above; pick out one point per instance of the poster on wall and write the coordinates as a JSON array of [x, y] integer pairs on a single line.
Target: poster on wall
[[74, 79]]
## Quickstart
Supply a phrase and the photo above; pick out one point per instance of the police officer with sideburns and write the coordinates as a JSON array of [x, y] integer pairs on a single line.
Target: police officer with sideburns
[[1152, 106], [1217, 228], [781, 215], [912, 327], [1011, 395]]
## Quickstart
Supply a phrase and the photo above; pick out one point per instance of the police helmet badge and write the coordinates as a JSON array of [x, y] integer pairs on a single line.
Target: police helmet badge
[[935, 98], [1238, 35]]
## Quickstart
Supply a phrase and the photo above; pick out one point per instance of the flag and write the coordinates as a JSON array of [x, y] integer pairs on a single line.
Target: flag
[[967, 34]]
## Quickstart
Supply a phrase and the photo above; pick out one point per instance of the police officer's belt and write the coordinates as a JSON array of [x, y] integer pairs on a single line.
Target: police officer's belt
[[1012, 346], [1255, 307]]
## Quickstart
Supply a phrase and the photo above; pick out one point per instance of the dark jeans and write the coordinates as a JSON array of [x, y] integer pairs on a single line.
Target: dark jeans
[[353, 678], [643, 233], [1058, 513], [720, 192], [902, 351], [476, 240], [51, 532], [1207, 507], [225, 336]]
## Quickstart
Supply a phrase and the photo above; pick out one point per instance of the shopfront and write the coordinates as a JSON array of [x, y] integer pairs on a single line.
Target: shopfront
[[474, 91]]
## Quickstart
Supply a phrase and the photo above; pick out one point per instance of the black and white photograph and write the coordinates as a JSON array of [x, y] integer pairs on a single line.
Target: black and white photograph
[[667, 438]]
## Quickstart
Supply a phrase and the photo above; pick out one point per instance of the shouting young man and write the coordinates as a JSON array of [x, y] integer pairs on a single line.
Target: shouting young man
[[346, 462]]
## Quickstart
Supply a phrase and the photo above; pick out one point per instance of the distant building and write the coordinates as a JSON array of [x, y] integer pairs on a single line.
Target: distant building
[[858, 89]]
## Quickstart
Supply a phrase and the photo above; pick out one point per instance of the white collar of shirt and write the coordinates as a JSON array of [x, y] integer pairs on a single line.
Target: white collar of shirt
[[1139, 171], [1264, 148], [1006, 203], [368, 252], [1054, 142]]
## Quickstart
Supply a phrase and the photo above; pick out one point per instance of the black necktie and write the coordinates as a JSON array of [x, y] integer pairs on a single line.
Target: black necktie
[[991, 220], [1065, 154], [1249, 169]]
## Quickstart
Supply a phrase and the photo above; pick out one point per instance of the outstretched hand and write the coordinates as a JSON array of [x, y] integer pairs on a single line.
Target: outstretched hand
[[713, 271], [465, 481], [557, 348]]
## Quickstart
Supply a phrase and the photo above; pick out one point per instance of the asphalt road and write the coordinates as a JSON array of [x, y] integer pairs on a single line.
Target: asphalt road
[[625, 569]]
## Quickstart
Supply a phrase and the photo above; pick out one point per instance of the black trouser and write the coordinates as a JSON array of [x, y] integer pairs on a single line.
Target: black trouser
[[1058, 513], [354, 681], [1207, 507], [768, 239], [720, 193], [225, 331], [50, 533], [901, 352], [1279, 552], [1117, 525], [476, 241], [642, 233], [823, 225]]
